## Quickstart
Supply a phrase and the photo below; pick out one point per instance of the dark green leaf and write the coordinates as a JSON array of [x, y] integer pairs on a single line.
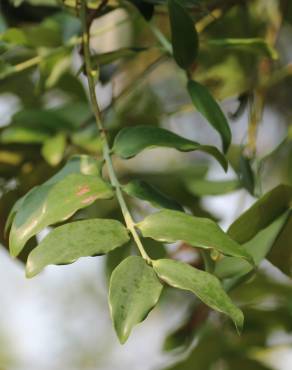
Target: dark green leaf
[[281, 252], [171, 226], [131, 141], [134, 291], [142, 190], [184, 36], [204, 285], [209, 108], [261, 214], [67, 243]]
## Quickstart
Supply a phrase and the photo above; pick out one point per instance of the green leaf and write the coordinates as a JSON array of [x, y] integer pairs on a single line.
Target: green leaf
[[202, 187], [134, 291], [24, 135], [67, 243], [113, 56], [281, 253], [83, 164], [53, 149], [144, 191], [184, 37], [55, 201], [171, 226], [204, 285], [209, 108], [261, 214], [255, 45], [258, 247], [130, 141]]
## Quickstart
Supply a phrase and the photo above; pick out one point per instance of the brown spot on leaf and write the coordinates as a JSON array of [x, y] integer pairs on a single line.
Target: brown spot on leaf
[[82, 190], [89, 199]]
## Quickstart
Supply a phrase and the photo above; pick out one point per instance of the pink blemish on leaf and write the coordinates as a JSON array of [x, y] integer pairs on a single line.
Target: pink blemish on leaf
[[83, 190], [89, 199]]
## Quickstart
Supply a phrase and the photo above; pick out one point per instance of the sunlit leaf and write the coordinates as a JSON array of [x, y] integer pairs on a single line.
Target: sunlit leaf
[[171, 226]]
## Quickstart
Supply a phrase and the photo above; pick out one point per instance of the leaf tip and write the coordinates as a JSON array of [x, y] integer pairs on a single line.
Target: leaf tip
[[238, 319]]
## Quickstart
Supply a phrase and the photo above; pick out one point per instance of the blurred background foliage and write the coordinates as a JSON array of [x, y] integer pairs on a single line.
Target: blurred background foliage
[[245, 60]]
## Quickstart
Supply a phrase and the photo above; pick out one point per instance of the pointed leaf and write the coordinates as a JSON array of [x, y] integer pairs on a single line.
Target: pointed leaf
[[204, 285], [78, 239], [184, 36], [134, 291], [262, 213], [130, 141], [144, 191], [170, 226], [209, 108]]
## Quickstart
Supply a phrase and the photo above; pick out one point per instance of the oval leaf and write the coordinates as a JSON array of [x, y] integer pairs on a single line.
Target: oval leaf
[[54, 148], [134, 291], [209, 108], [184, 37], [78, 239], [171, 226], [142, 190], [49, 204], [204, 285], [130, 141]]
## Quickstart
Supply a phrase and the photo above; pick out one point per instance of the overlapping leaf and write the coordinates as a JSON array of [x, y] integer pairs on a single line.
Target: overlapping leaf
[[144, 191], [266, 210], [76, 186], [204, 285], [171, 226], [67, 243]]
